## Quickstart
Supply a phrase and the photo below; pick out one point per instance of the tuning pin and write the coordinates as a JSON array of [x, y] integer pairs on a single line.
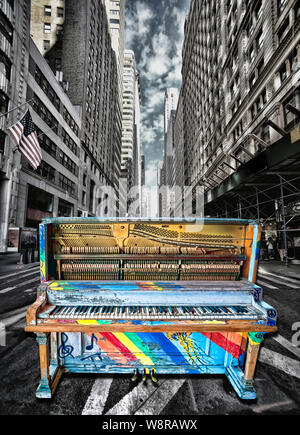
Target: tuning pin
[[135, 376], [153, 378]]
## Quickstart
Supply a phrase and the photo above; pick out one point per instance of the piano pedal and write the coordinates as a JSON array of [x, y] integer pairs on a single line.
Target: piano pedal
[[145, 372], [136, 375], [153, 378]]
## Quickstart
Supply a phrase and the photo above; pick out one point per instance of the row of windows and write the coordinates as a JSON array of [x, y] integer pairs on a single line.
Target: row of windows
[[48, 11], [70, 121], [59, 28], [49, 173], [50, 147], [69, 142], [66, 184], [44, 114], [46, 87]]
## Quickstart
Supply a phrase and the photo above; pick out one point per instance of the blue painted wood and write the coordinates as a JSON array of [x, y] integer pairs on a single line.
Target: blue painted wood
[[122, 297]]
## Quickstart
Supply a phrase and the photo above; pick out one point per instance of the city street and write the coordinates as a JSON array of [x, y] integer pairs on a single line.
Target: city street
[[277, 377]]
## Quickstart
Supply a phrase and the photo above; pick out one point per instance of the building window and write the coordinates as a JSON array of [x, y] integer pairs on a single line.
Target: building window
[[46, 171], [47, 28], [46, 87], [59, 29], [44, 114], [46, 44], [6, 28], [47, 11], [69, 142], [280, 6], [283, 30], [57, 64], [67, 162], [66, 184], [60, 12], [114, 21], [46, 143]]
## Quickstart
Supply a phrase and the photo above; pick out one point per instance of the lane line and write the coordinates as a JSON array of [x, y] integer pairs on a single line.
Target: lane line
[[132, 401], [160, 398], [20, 272], [265, 284], [283, 363], [287, 344], [95, 403], [22, 284]]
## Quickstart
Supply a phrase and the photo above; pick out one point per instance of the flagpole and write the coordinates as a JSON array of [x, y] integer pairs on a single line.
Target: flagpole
[[15, 108]]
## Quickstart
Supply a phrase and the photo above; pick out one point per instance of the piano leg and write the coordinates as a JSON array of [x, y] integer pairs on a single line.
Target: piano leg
[[255, 339], [242, 382], [50, 370]]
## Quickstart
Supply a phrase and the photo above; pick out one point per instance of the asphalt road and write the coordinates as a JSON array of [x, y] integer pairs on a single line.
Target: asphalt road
[[277, 377]]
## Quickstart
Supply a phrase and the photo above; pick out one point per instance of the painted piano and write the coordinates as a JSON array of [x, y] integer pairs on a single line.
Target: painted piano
[[149, 297]]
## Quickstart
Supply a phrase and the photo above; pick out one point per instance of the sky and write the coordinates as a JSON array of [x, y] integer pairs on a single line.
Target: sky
[[154, 31]]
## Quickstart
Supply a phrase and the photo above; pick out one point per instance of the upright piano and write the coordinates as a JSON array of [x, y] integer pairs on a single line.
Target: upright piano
[[149, 297]]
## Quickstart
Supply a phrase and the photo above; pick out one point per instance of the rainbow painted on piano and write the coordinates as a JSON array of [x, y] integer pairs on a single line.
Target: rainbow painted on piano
[[149, 297]]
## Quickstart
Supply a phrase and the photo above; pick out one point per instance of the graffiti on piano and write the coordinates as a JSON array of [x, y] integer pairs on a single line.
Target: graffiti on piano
[[65, 350]]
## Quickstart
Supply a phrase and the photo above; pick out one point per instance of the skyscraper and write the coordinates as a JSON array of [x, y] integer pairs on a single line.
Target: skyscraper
[[240, 62], [82, 53], [131, 145]]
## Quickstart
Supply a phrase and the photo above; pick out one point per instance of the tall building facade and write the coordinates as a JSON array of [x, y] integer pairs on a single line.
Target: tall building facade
[[170, 105], [240, 78], [46, 25], [56, 187], [14, 55], [131, 143], [82, 57]]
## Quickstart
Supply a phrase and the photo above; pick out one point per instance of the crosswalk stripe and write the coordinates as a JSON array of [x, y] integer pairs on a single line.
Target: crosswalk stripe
[[132, 401], [266, 284], [279, 277], [22, 284], [20, 272], [280, 362], [96, 401], [287, 344], [20, 277], [267, 406], [160, 398], [14, 318]]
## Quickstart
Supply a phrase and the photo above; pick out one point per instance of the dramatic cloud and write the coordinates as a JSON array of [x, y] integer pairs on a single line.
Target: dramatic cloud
[[154, 31]]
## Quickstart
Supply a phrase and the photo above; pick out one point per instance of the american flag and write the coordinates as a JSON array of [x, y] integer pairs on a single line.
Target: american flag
[[25, 137]]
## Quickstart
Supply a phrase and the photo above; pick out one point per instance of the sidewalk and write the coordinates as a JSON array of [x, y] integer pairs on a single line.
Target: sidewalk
[[278, 268], [10, 262]]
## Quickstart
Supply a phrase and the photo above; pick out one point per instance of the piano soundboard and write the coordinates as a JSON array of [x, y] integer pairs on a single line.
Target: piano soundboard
[[149, 297]]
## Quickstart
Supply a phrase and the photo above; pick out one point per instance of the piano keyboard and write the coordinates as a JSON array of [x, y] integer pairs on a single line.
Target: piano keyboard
[[152, 312]]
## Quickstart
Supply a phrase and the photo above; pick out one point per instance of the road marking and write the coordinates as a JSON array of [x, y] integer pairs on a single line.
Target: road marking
[[132, 401], [19, 273], [267, 406], [95, 403], [160, 398], [283, 363], [14, 318], [19, 285], [265, 284], [287, 344], [35, 272], [278, 277]]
